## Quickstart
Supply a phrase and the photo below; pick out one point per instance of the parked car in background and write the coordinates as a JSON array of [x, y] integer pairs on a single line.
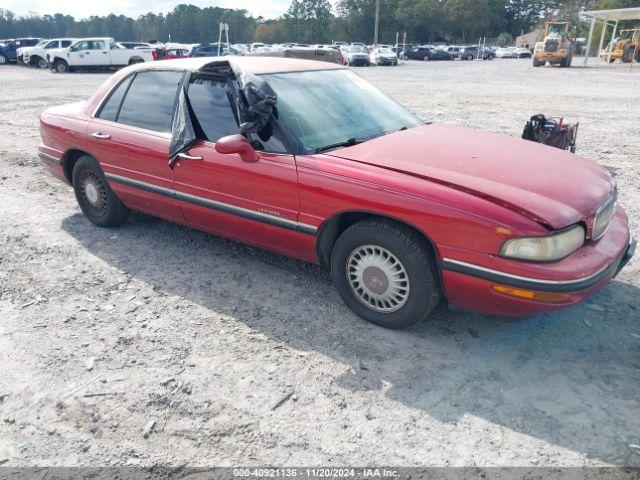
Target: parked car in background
[[173, 53], [24, 51], [9, 51], [403, 214], [472, 52], [439, 54], [506, 52], [136, 45], [37, 56], [417, 53], [382, 56], [453, 50], [522, 53], [356, 55], [207, 50], [99, 52]]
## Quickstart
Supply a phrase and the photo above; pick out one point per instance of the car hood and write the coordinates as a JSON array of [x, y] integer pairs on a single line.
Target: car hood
[[548, 185]]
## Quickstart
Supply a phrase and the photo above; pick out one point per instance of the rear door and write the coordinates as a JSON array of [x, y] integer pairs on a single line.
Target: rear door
[[255, 202], [130, 137]]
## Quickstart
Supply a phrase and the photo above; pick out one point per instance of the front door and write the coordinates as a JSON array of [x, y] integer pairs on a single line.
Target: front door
[[89, 52], [130, 137], [254, 202]]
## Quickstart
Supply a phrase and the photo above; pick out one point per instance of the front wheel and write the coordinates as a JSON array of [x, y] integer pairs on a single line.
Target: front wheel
[[3, 59], [42, 63], [385, 273], [536, 63], [61, 66], [470, 57], [96, 199]]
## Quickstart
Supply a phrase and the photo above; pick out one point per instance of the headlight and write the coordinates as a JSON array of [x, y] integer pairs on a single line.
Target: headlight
[[603, 217], [544, 249]]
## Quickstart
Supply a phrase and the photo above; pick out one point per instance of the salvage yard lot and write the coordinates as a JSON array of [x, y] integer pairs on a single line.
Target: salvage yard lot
[[154, 344]]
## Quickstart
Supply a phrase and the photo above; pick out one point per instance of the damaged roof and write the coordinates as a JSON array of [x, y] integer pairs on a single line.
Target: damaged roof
[[249, 64]]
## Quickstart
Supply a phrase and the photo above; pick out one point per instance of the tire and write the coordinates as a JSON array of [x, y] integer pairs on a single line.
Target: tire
[[536, 63], [4, 60], [417, 288], [565, 62], [42, 63], [426, 58], [60, 66], [490, 57], [96, 199], [627, 54], [135, 60], [469, 57]]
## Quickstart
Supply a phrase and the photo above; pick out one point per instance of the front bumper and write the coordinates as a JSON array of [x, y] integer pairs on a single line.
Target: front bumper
[[359, 61], [552, 57], [471, 282]]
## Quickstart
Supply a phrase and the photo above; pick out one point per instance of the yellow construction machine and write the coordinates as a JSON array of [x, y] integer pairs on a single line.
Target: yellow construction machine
[[625, 47], [556, 47]]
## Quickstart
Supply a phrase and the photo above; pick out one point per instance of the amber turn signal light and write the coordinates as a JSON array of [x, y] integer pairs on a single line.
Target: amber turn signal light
[[530, 294]]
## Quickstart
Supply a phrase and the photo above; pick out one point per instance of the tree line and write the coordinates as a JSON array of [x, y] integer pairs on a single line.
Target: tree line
[[317, 21]]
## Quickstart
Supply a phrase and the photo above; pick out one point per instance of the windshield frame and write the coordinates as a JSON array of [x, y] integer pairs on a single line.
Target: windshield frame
[[296, 145]]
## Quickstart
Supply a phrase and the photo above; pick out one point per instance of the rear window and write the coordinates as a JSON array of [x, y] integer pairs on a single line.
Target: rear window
[[150, 100]]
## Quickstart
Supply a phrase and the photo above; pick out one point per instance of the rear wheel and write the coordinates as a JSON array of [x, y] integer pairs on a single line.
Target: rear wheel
[[3, 59], [96, 199], [426, 58], [627, 55], [135, 60], [385, 273]]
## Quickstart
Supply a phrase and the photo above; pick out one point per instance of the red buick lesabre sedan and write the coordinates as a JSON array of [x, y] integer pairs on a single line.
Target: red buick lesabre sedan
[[308, 160]]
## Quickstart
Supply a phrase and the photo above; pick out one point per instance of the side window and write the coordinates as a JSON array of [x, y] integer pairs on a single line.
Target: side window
[[109, 110], [150, 100], [98, 45], [84, 45], [210, 100], [212, 104], [65, 43], [53, 44]]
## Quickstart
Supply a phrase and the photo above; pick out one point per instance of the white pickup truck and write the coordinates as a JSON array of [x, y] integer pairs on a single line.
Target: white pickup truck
[[100, 52]]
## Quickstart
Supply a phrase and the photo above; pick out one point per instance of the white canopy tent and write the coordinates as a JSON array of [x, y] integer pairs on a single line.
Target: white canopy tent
[[606, 18]]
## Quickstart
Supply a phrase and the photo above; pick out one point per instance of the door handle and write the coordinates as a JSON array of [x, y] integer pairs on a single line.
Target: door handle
[[100, 136], [184, 156]]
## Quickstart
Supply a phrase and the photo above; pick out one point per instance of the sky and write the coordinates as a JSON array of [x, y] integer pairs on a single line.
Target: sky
[[132, 8]]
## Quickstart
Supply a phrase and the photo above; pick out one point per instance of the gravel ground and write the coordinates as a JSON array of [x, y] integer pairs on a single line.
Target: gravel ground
[[154, 344]]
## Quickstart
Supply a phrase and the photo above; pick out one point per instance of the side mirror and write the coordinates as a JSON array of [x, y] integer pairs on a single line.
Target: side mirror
[[237, 144]]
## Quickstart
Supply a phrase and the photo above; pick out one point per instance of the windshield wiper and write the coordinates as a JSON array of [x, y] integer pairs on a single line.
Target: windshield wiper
[[350, 142]]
